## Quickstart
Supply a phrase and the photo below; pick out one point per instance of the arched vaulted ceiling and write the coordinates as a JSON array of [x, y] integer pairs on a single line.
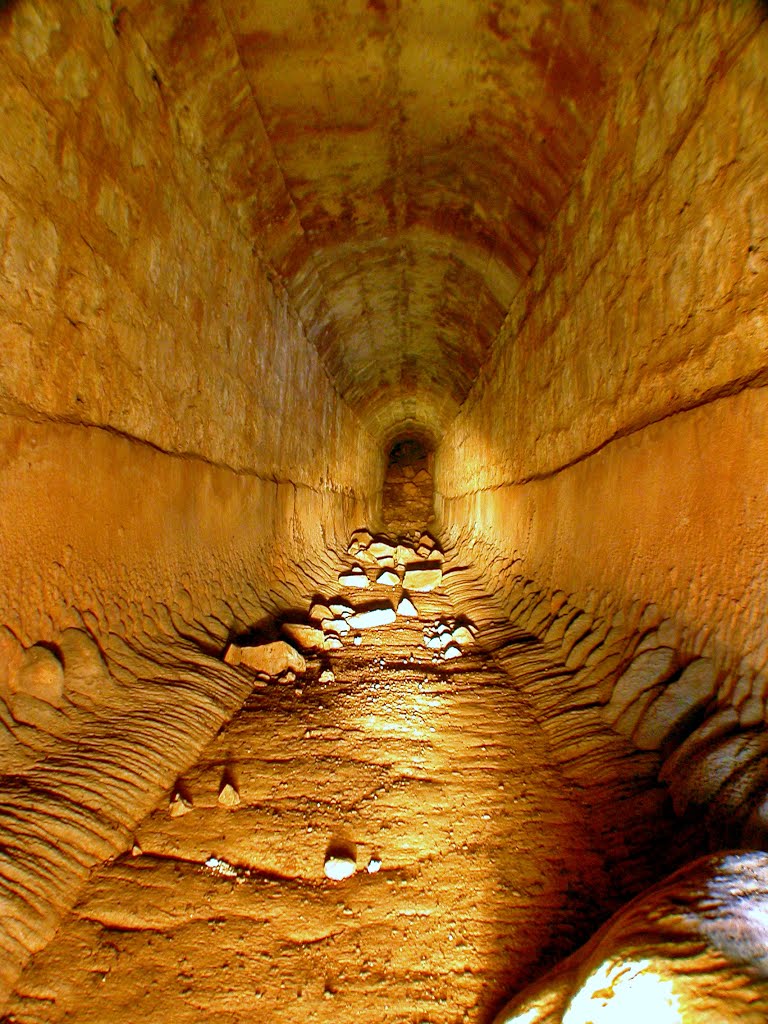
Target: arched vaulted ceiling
[[395, 162]]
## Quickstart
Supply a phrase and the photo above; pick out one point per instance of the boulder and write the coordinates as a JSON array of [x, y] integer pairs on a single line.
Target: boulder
[[320, 611], [381, 615], [339, 626], [269, 659], [423, 577], [354, 578], [381, 549], [360, 540], [308, 638]]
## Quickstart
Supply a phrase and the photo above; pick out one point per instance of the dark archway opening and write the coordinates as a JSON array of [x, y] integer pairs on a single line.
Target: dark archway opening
[[408, 498]]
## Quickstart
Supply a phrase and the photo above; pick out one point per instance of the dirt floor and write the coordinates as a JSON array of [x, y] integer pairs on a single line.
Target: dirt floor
[[489, 867]]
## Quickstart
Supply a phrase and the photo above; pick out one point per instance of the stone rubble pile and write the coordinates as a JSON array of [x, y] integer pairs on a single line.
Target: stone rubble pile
[[448, 639], [405, 565]]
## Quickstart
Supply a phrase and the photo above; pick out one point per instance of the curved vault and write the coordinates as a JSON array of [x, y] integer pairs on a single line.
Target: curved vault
[[397, 164]]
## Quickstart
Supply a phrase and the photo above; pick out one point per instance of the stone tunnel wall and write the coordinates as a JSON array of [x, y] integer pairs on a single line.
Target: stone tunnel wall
[[133, 305], [174, 457], [612, 458]]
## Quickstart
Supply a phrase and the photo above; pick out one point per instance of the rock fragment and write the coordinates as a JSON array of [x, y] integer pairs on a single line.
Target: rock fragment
[[309, 638], [228, 795], [341, 608], [462, 636], [320, 611], [179, 805], [423, 577], [451, 651], [332, 643], [404, 554], [340, 859], [373, 617], [382, 551], [360, 540], [388, 578], [406, 609], [270, 659], [340, 626], [338, 867], [327, 676], [354, 578]]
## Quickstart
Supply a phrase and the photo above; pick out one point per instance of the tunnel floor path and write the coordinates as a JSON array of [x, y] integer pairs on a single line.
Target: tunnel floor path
[[490, 864]]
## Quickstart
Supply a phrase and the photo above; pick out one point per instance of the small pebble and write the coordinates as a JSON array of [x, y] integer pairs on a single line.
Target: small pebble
[[338, 868], [373, 865]]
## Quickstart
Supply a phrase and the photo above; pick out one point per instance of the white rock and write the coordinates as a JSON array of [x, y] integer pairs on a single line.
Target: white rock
[[452, 651], [332, 643], [374, 865], [339, 867], [434, 642], [270, 659], [327, 676], [406, 608], [340, 626], [388, 578], [358, 640], [373, 617], [341, 608], [354, 578]]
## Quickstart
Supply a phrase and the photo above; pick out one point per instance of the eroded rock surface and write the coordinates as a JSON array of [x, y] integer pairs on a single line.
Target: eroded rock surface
[[694, 948]]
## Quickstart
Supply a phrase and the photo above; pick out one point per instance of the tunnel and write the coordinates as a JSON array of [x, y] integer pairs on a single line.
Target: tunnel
[[383, 531]]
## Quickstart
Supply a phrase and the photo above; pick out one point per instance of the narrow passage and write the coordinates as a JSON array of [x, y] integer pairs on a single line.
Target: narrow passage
[[477, 864]]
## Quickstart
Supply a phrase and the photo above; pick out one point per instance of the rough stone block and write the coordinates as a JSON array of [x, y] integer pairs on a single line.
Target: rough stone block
[[308, 638], [423, 577], [269, 659]]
